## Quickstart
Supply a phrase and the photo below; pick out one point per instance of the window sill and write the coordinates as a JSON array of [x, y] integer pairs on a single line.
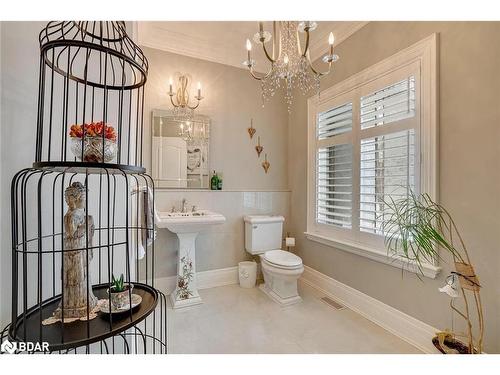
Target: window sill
[[428, 270]]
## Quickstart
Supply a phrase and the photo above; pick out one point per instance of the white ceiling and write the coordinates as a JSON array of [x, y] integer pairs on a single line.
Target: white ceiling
[[224, 42]]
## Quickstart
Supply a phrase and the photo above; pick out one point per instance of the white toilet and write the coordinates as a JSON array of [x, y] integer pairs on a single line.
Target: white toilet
[[281, 269]]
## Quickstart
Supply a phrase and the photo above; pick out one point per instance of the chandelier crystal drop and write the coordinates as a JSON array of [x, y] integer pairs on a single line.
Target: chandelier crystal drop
[[291, 65], [183, 113]]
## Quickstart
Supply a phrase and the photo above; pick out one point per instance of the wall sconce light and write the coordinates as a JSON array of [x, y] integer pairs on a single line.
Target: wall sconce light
[[183, 110]]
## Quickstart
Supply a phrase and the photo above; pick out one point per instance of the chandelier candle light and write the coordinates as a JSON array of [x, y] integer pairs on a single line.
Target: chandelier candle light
[[291, 65], [182, 109]]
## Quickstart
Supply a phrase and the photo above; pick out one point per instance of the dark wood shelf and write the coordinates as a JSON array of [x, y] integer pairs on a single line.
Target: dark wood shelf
[[79, 333], [90, 168]]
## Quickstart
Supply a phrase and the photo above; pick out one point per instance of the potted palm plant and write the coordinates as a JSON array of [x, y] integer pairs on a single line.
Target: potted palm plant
[[415, 229]]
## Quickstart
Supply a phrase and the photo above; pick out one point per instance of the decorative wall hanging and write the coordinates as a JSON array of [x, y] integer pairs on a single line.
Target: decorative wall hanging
[[259, 148], [251, 130], [265, 164], [73, 210]]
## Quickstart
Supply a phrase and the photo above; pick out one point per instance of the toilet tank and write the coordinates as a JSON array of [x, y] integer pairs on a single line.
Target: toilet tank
[[263, 233]]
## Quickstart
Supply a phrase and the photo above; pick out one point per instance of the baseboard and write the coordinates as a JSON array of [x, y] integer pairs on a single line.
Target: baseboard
[[206, 279], [413, 331], [218, 277]]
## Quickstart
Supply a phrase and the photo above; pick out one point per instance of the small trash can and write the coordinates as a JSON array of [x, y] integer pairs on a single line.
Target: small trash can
[[247, 272]]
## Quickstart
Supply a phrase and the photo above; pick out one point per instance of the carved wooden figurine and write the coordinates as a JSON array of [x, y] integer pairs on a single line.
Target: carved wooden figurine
[[78, 235]]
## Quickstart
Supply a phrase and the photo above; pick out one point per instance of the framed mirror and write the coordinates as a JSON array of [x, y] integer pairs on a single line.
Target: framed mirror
[[180, 151]]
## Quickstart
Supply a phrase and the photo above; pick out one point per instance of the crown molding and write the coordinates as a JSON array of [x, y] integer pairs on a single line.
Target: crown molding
[[182, 44], [320, 45], [153, 35]]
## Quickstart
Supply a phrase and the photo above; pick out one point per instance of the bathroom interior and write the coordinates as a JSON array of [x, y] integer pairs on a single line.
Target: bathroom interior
[[242, 186]]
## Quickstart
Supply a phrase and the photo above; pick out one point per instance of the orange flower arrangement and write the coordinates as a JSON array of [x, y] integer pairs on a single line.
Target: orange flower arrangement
[[94, 129]]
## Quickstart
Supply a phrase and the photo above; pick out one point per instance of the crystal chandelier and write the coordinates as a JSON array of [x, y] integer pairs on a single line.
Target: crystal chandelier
[[291, 65], [183, 111], [194, 132]]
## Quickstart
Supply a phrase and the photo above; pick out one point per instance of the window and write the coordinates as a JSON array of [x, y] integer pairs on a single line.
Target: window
[[371, 138]]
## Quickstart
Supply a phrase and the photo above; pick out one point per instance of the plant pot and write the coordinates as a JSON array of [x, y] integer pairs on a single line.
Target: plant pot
[[121, 299], [93, 149], [453, 344], [467, 276]]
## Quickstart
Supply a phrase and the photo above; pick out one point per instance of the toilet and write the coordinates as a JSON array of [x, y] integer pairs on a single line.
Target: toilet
[[281, 269]]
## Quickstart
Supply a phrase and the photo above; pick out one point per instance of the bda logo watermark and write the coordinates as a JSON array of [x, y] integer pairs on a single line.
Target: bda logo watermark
[[8, 347], [11, 347]]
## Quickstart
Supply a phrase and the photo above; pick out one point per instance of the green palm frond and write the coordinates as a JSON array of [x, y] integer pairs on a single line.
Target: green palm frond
[[415, 227]]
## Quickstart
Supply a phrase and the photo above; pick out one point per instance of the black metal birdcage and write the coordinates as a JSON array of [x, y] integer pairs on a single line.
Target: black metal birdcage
[[90, 72], [85, 210]]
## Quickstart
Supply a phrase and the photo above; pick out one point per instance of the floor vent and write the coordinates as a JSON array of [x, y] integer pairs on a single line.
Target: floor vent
[[333, 303]]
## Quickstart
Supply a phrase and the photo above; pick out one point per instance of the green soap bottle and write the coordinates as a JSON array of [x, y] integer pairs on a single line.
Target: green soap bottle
[[219, 182], [214, 181]]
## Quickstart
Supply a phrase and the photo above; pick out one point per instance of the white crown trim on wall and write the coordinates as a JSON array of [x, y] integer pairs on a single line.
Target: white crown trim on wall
[[319, 47], [181, 44], [154, 36]]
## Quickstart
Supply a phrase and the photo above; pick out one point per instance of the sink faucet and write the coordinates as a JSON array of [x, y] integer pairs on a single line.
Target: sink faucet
[[184, 209]]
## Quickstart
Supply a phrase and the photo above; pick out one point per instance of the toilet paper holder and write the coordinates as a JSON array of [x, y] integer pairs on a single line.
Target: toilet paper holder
[[289, 241]]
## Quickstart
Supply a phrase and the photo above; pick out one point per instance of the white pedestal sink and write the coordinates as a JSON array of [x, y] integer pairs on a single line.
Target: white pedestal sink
[[187, 226]]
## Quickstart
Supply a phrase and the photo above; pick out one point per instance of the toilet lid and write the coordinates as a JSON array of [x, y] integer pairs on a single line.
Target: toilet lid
[[282, 258]]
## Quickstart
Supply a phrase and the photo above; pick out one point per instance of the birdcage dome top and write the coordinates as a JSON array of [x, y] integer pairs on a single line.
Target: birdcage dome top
[[95, 53]]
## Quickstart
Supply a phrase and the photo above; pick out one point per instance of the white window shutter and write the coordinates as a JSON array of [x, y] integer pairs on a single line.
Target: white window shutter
[[387, 170], [335, 121], [389, 104], [334, 186]]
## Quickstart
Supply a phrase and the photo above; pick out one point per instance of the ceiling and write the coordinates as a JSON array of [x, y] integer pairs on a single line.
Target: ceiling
[[224, 41]]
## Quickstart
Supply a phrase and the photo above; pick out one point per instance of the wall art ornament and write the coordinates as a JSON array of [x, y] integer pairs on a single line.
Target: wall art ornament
[[259, 148], [265, 164], [251, 130]]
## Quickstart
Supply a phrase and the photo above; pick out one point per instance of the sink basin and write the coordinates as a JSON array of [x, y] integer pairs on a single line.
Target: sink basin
[[187, 225], [188, 222], [189, 214]]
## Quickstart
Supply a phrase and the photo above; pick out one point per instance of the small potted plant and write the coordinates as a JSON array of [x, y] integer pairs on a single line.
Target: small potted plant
[[119, 292], [95, 142], [415, 229]]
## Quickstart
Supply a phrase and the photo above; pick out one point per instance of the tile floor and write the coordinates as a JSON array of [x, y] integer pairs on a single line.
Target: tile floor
[[237, 320]]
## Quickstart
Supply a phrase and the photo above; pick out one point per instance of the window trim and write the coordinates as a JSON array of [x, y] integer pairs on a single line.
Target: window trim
[[423, 56]]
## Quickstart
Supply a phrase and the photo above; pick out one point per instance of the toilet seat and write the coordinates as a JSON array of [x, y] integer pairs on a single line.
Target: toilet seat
[[282, 259]]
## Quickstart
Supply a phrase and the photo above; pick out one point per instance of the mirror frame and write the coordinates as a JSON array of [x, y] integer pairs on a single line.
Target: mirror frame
[[196, 117]]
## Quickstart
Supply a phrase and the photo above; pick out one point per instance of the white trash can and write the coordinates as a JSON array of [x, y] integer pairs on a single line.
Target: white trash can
[[247, 272]]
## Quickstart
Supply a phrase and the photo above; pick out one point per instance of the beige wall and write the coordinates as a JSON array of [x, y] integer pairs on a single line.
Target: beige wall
[[232, 97], [469, 152]]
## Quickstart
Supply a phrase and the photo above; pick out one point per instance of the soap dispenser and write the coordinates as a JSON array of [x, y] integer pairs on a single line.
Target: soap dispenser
[[219, 181], [214, 181]]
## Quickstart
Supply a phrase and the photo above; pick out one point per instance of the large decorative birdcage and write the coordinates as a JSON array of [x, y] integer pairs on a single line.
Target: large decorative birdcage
[[83, 258]]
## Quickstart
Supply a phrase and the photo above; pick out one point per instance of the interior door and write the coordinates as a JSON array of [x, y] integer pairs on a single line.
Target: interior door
[[170, 162]]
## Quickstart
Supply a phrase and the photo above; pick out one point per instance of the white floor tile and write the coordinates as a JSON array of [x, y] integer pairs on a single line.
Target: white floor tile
[[237, 320]]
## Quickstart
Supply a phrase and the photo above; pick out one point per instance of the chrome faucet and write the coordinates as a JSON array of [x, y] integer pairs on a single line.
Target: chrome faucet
[[184, 209]]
